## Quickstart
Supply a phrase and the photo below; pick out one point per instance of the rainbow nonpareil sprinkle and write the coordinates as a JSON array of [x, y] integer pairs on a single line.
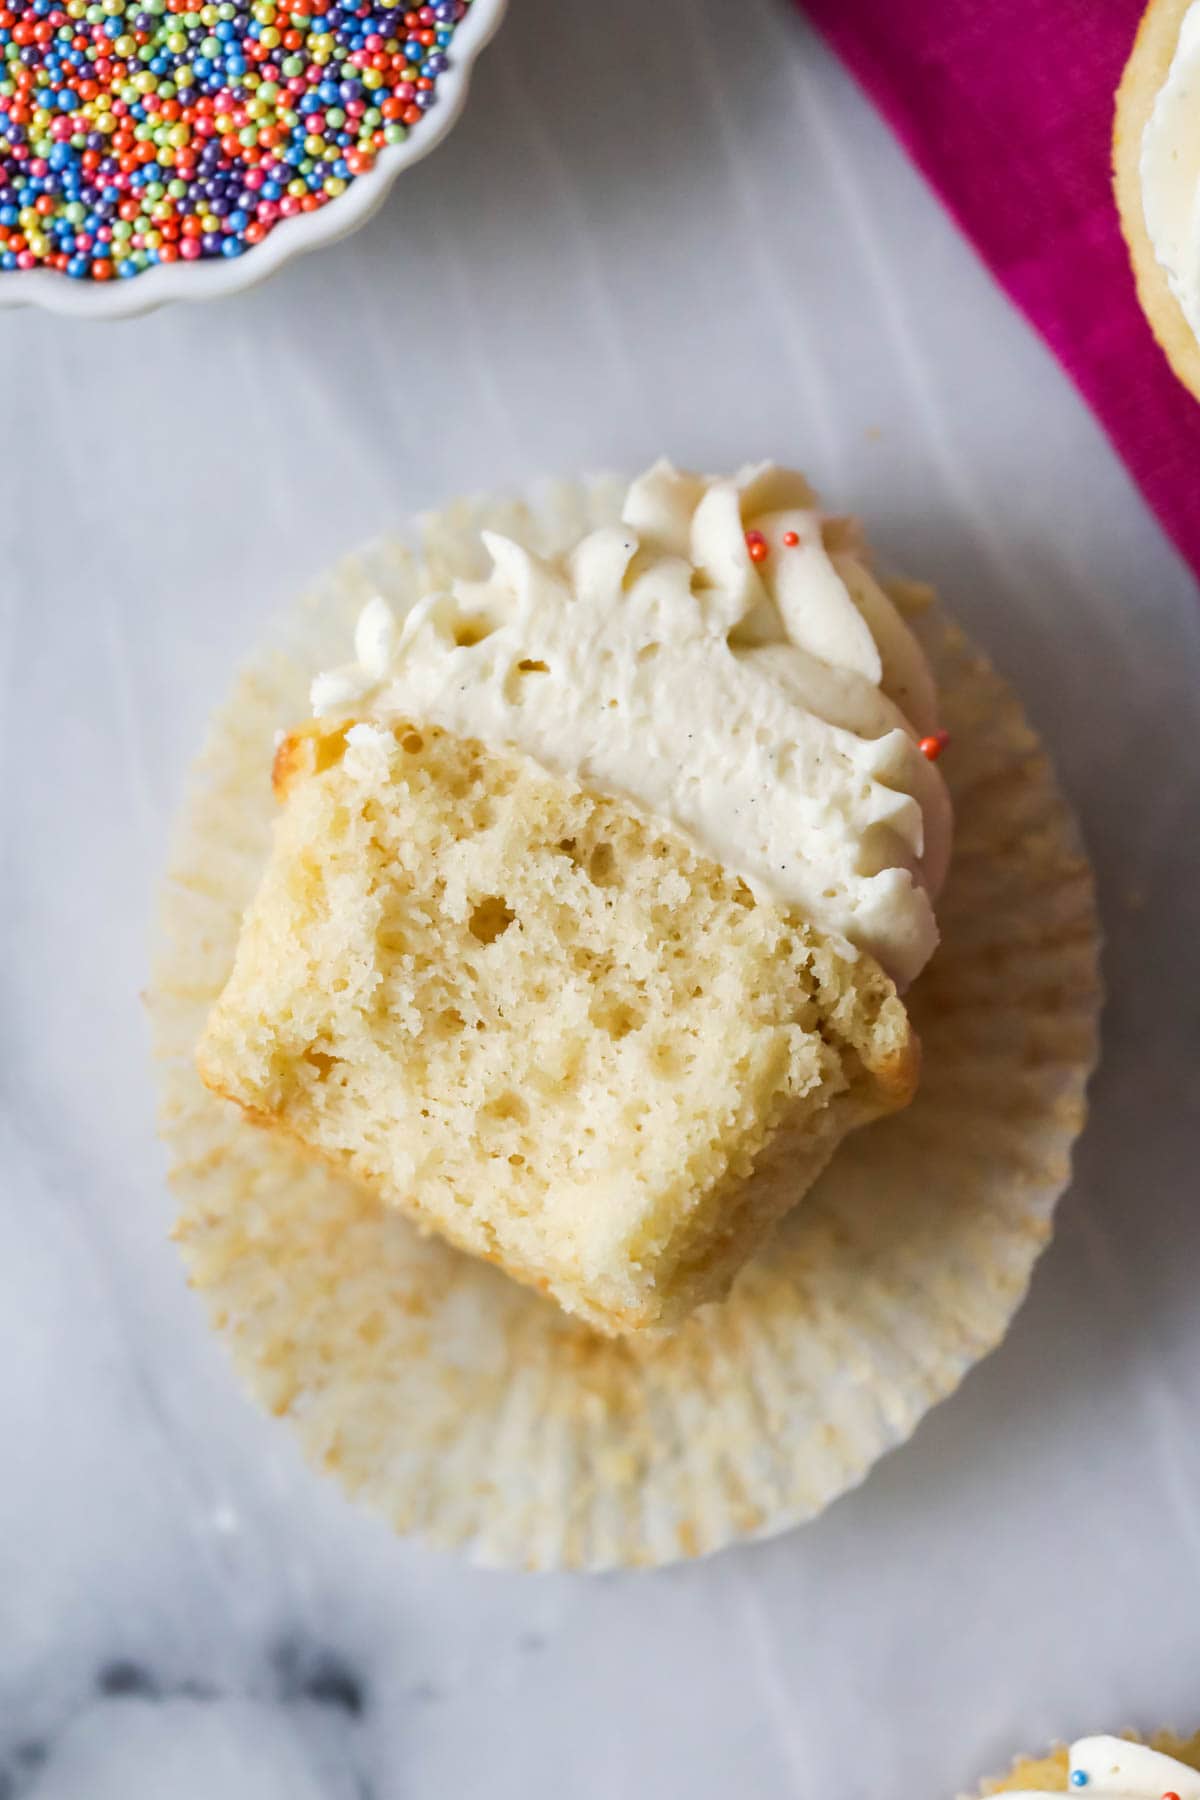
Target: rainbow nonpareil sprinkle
[[140, 132]]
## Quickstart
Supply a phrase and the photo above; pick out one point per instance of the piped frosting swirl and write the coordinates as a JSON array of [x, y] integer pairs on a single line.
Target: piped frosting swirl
[[724, 659]]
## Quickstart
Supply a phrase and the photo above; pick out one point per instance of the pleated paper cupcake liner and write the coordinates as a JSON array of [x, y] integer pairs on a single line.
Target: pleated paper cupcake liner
[[470, 1410]]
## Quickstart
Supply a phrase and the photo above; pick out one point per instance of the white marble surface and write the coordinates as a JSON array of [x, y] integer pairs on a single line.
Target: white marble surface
[[653, 229]]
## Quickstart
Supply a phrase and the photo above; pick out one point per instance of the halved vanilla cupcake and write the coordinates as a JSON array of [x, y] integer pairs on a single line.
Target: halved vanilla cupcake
[[1118, 1768], [1156, 162], [592, 891], [455, 1402]]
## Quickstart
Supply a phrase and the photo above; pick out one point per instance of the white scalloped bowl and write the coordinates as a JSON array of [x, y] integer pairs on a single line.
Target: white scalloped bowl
[[58, 293]]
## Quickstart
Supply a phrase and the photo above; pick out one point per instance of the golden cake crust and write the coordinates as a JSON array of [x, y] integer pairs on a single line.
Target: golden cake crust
[[1141, 83]]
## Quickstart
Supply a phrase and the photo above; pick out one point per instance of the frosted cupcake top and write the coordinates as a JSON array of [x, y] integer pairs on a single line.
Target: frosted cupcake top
[[1170, 171], [1123, 1771], [724, 659]]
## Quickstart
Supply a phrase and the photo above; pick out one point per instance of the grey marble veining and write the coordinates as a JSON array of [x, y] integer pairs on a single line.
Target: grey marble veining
[[671, 225]]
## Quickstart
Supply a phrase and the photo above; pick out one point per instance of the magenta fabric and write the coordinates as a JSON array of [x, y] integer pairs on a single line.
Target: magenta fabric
[[1006, 106]]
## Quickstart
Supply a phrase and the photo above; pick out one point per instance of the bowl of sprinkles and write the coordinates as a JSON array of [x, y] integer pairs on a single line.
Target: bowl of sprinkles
[[155, 150]]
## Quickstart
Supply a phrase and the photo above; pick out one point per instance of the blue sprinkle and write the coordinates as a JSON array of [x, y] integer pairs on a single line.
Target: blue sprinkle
[[1079, 1778]]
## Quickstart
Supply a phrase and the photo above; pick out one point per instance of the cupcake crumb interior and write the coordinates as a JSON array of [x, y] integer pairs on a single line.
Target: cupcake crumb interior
[[540, 1023]]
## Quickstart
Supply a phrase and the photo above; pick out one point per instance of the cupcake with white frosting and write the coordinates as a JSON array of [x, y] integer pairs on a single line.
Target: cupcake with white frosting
[[1110, 1768], [580, 934], [604, 890], [1156, 160]]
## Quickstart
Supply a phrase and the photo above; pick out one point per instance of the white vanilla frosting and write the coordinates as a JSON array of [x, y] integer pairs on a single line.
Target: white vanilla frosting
[[1170, 170], [1123, 1771], [770, 710]]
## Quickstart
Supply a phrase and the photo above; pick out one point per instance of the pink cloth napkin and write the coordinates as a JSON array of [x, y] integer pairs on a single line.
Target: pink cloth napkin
[[1006, 107]]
